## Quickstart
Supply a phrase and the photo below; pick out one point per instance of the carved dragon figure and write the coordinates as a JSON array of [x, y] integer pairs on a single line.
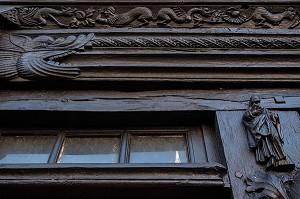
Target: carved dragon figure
[[22, 56], [108, 16], [34, 16], [262, 16], [144, 15], [178, 15]]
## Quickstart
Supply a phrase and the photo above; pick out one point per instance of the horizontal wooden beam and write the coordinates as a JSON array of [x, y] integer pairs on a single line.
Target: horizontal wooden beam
[[149, 1], [106, 101], [110, 174]]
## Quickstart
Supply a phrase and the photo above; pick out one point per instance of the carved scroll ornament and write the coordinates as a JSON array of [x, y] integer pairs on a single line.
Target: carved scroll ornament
[[265, 136], [143, 16], [22, 56], [267, 185]]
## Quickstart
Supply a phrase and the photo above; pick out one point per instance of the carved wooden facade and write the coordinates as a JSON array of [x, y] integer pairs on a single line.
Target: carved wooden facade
[[130, 64]]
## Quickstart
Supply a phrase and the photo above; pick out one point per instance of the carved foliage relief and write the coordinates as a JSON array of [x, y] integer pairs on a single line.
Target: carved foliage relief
[[267, 185], [153, 17]]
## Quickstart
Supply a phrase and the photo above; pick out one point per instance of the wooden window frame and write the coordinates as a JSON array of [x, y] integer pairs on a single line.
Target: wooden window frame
[[199, 174], [195, 146]]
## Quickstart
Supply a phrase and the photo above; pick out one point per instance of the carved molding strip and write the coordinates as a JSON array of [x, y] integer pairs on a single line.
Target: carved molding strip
[[40, 57], [279, 16], [193, 42]]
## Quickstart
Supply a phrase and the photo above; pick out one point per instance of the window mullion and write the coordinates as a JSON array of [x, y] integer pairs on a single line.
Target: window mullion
[[190, 148], [124, 148], [53, 158], [198, 145]]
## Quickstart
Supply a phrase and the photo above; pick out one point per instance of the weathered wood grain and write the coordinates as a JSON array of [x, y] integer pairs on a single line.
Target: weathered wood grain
[[164, 100]]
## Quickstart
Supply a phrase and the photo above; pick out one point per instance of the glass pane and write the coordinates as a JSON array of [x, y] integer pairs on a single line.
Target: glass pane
[[91, 150], [158, 149], [25, 149]]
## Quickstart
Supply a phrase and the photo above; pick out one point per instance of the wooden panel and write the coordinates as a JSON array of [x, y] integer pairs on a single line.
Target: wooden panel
[[290, 122], [237, 153], [212, 144], [240, 160], [197, 146]]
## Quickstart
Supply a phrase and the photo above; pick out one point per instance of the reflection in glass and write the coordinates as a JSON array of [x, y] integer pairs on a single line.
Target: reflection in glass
[[91, 150], [25, 149], [158, 149]]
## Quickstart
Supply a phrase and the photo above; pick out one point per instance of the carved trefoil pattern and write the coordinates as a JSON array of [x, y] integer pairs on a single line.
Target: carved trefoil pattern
[[146, 16]]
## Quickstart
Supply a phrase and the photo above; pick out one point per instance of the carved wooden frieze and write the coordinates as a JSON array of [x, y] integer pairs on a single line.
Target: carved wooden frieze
[[106, 16], [265, 136]]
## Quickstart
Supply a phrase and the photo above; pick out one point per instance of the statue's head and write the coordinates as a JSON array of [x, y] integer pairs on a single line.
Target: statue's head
[[254, 100]]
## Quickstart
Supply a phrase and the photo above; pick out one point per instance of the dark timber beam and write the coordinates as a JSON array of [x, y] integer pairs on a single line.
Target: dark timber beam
[[113, 101]]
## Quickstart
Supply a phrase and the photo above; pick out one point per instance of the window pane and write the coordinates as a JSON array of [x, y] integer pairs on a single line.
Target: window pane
[[91, 150], [158, 149], [25, 149]]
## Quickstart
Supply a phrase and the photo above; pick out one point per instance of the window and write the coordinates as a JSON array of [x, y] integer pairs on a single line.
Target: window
[[25, 149], [158, 149], [150, 154], [90, 150], [159, 145]]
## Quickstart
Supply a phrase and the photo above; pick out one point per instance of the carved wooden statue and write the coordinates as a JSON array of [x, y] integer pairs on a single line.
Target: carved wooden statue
[[265, 136]]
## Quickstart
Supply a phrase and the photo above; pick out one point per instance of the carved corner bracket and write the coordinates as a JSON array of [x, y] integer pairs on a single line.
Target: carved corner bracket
[[38, 58]]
